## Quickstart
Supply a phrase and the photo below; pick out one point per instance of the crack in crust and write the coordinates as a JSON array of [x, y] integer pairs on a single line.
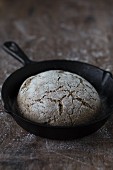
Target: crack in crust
[[83, 102], [60, 105]]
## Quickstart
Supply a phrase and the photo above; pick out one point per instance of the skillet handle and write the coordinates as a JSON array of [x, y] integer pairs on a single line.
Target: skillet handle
[[14, 50]]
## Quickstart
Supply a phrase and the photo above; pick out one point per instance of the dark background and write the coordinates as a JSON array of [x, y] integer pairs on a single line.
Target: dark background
[[62, 29]]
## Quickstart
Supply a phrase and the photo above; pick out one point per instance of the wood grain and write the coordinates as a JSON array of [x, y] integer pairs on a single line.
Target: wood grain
[[62, 29]]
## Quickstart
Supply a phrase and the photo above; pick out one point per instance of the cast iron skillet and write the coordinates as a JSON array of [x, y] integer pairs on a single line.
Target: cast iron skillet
[[100, 79]]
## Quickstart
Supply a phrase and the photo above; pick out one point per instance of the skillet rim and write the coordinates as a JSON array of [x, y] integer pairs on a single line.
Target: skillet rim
[[44, 125]]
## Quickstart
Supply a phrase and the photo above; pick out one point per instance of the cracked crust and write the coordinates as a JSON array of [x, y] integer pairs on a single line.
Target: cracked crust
[[58, 98]]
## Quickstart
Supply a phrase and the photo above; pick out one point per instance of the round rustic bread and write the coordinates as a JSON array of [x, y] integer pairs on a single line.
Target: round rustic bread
[[58, 98]]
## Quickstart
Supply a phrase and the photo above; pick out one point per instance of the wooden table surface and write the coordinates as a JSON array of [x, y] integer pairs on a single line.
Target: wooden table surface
[[62, 29]]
